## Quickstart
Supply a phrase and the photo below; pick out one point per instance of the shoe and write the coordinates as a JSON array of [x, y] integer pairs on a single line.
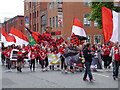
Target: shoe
[[46, 69], [94, 70], [85, 79], [43, 70], [109, 67], [58, 69], [92, 80], [106, 69], [62, 71], [66, 71], [114, 77]]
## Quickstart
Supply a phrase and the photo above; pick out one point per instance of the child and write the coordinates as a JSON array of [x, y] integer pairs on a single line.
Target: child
[[42, 58], [33, 56], [7, 55], [19, 60]]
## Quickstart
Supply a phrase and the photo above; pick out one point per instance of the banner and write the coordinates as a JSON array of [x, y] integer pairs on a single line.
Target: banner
[[60, 14], [96, 63], [54, 59]]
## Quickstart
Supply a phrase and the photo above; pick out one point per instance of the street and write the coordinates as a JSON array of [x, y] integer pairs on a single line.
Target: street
[[54, 79]]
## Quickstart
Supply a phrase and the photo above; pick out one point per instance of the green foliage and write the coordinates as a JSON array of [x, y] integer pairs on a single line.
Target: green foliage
[[96, 11]]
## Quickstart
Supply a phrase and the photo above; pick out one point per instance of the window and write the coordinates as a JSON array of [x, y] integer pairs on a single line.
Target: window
[[86, 22], [50, 6], [30, 4], [26, 6], [95, 23], [37, 26], [50, 21], [97, 39], [53, 22], [88, 39], [37, 14], [53, 5], [56, 21], [21, 22], [43, 18], [56, 4], [87, 3]]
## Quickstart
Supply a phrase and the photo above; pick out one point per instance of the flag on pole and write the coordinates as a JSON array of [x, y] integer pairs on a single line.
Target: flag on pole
[[19, 36], [78, 30], [35, 35], [32, 40], [6, 38], [110, 25]]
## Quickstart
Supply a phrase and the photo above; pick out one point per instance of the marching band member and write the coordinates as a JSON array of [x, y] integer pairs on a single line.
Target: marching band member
[[106, 52], [7, 56], [19, 59], [33, 56]]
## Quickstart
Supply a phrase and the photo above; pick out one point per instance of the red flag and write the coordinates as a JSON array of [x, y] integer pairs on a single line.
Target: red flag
[[107, 23], [19, 36], [35, 36], [6, 38]]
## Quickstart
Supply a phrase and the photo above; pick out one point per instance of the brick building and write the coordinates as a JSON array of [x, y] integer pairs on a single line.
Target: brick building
[[70, 10], [46, 13], [17, 22], [37, 15]]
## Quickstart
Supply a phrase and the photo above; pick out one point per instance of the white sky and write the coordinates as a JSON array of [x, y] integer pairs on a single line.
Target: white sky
[[11, 8]]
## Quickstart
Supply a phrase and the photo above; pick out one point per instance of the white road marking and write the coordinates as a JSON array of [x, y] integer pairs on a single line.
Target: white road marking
[[101, 75]]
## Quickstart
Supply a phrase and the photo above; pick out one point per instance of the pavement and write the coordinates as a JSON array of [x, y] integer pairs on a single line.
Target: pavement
[[54, 79]]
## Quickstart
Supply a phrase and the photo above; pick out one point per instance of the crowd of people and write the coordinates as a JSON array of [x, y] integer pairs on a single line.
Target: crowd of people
[[107, 53]]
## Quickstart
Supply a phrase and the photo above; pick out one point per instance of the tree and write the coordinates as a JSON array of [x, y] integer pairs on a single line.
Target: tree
[[96, 11]]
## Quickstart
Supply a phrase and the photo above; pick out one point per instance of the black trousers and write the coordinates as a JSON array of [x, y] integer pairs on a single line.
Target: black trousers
[[9, 63], [3, 58], [32, 64], [116, 68], [106, 60], [46, 61], [63, 63], [38, 58], [88, 71]]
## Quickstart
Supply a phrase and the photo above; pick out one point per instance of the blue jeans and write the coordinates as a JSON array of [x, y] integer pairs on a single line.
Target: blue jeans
[[88, 71], [116, 68]]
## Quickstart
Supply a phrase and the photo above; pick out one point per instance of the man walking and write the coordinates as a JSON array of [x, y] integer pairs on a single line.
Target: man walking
[[88, 59], [115, 53]]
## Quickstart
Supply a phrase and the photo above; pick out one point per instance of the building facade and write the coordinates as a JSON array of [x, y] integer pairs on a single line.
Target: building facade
[[37, 15], [17, 22], [60, 16], [78, 10]]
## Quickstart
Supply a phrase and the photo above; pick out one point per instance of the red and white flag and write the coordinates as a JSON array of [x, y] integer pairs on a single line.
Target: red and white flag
[[77, 28], [19, 36], [6, 38], [110, 25]]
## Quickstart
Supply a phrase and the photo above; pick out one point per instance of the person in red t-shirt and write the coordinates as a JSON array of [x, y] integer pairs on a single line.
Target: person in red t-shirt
[[42, 58], [115, 53], [106, 52], [33, 56], [7, 55], [19, 59], [62, 50]]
